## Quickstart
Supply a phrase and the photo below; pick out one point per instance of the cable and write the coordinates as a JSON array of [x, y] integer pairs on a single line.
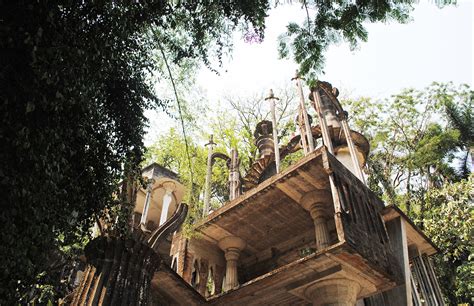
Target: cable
[[181, 119]]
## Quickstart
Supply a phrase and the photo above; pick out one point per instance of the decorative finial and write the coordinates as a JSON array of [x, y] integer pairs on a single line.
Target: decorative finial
[[297, 76], [211, 141], [271, 96]]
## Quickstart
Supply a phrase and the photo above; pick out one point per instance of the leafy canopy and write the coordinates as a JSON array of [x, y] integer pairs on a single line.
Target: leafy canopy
[[75, 84], [330, 22], [415, 152]]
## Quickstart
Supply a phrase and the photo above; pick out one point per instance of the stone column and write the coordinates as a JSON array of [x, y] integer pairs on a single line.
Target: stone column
[[317, 203], [146, 205], [333, 292], [232, 246], [167, 198], [218, 278], [203, 276]]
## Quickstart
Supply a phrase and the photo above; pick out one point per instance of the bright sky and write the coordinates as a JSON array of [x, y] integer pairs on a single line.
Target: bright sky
[[437, 45]]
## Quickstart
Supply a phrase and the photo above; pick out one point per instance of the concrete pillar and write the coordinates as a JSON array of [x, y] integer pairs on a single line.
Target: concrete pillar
[[203, 276], [167, 198], [146, 206], [316, 203], [398, 240], [232, 246], [218, 278], [333, 292]]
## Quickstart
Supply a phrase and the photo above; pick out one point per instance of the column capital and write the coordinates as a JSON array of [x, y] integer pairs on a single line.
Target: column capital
[[232, 242], [320, 198], [336, 291], [169, 187], [232, 246], [232, 254]]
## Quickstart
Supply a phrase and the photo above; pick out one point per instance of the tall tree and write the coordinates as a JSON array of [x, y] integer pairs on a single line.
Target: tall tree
[[75, 79], [412, 164], [449, 221], [237, 130], [74, 88], [459, 108], [232, 128], [411, 150]]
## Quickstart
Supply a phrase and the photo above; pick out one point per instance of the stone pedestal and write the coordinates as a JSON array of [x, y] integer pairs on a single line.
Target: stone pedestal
[[333, 292], [232, 246], [316, 203]]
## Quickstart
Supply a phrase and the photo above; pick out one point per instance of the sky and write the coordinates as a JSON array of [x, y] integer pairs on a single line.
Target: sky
[[437, 45]]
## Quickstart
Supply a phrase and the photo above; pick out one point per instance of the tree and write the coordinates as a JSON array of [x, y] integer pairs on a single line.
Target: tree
[[459, 108], [329, 22], [170, 151], [449, 221], [232, 128], [75, 82], [411, 150], [412, 164]]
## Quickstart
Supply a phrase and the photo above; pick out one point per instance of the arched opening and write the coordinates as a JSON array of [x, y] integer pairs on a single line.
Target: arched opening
[[223, 283], [210, 287], [195, 275]]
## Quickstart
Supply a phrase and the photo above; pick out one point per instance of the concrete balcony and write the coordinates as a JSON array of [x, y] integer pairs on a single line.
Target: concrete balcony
[[297, 239]]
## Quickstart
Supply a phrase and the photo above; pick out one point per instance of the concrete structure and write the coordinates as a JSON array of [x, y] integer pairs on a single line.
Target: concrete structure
[[312, 234]]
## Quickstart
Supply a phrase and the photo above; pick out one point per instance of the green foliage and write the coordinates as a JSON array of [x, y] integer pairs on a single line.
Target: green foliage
[[232, 129], [169, 151], [412, 149], [412, 164], [75, 84], [329, 22], [449, 221], [234, 126], [459, 109]]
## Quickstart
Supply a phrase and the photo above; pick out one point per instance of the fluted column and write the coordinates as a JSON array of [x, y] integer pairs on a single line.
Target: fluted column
[[316, 203], [321, 232], [231, 276], [232, 246]]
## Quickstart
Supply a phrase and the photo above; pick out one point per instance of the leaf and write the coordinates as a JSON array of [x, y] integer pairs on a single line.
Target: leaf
[[30, 106]]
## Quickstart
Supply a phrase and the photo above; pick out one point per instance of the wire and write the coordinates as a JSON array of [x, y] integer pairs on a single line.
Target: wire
[[181, 119]]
